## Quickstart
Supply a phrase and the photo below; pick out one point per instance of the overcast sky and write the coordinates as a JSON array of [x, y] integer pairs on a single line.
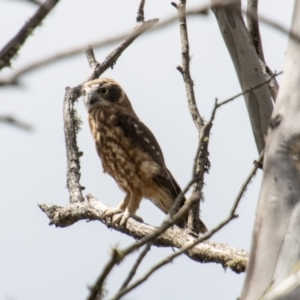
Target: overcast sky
[[43, 262]]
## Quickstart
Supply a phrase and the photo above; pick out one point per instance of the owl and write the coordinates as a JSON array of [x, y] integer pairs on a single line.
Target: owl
[[128, 151]]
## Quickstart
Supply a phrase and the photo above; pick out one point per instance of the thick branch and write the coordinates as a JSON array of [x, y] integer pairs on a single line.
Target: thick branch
[[11, 49], [93, 209], [248, 68]]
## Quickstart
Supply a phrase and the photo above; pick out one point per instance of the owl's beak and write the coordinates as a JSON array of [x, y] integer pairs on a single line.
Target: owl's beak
[[89, 99]]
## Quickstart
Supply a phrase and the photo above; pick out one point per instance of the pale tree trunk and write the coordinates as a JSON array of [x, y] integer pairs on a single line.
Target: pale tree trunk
[[275, 252], [247, 66]]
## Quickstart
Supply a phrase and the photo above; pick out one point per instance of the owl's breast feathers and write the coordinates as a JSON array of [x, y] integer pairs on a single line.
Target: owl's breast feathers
[[131, 155]]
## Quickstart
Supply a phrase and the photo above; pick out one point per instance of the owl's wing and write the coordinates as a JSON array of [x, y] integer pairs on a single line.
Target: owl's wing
[[143, 138]]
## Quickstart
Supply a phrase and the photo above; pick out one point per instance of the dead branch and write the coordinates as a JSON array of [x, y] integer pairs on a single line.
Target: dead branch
[[194, 224], [14, 78], [93, 209], [14, 45]]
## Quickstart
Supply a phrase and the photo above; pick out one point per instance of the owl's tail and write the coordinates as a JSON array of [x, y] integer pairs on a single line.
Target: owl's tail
[[170, 190]]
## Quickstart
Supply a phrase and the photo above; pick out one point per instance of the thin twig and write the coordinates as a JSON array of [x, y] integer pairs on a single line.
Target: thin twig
[[13, 79], [13, 46], [249, 90], [232, 215], [97, 288], [136, 265], [198, 11], [140, 14], [14, 122], [111, 59]]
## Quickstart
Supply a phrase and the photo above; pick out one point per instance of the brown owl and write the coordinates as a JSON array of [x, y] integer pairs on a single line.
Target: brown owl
[[128, 151]]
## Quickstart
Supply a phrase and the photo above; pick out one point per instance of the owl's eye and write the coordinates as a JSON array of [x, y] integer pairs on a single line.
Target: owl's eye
[[104, 91]]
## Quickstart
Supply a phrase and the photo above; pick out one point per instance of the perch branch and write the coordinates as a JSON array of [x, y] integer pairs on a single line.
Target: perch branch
[[93, 209], [13, 46]]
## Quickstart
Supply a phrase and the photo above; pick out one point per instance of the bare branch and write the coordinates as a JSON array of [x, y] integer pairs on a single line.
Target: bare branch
[[185, 68], [136, 265], [195, 225], [93, 209], [140, 14], [13, 79], [111, 59], [201, 10], [250, 89], [14, 122], [247, 66], [91, 57], [71, 127], [14, 45]]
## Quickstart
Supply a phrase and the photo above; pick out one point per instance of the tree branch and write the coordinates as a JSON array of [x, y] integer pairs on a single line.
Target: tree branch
[[194, 225], [247, 66], [93, 209], [14, 45], [13, 79]]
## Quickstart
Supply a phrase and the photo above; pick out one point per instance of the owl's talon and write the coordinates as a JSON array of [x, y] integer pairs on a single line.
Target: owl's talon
[[124, 216], [109, 212]]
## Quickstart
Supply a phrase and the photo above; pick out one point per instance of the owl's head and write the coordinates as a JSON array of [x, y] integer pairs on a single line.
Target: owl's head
[[103, 92]]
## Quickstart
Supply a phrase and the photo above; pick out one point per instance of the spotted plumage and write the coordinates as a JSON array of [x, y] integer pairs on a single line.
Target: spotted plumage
[[128, 150]]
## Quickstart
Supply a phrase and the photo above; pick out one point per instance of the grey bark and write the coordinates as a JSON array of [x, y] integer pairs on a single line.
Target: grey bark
[[205, 252], [275, 250], [247, 66]]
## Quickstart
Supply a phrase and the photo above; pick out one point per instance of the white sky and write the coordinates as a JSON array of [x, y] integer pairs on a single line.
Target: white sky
[[43, 262]]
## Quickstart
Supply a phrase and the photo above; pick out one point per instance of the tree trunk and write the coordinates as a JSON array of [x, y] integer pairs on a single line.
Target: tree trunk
[[275, 252]]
